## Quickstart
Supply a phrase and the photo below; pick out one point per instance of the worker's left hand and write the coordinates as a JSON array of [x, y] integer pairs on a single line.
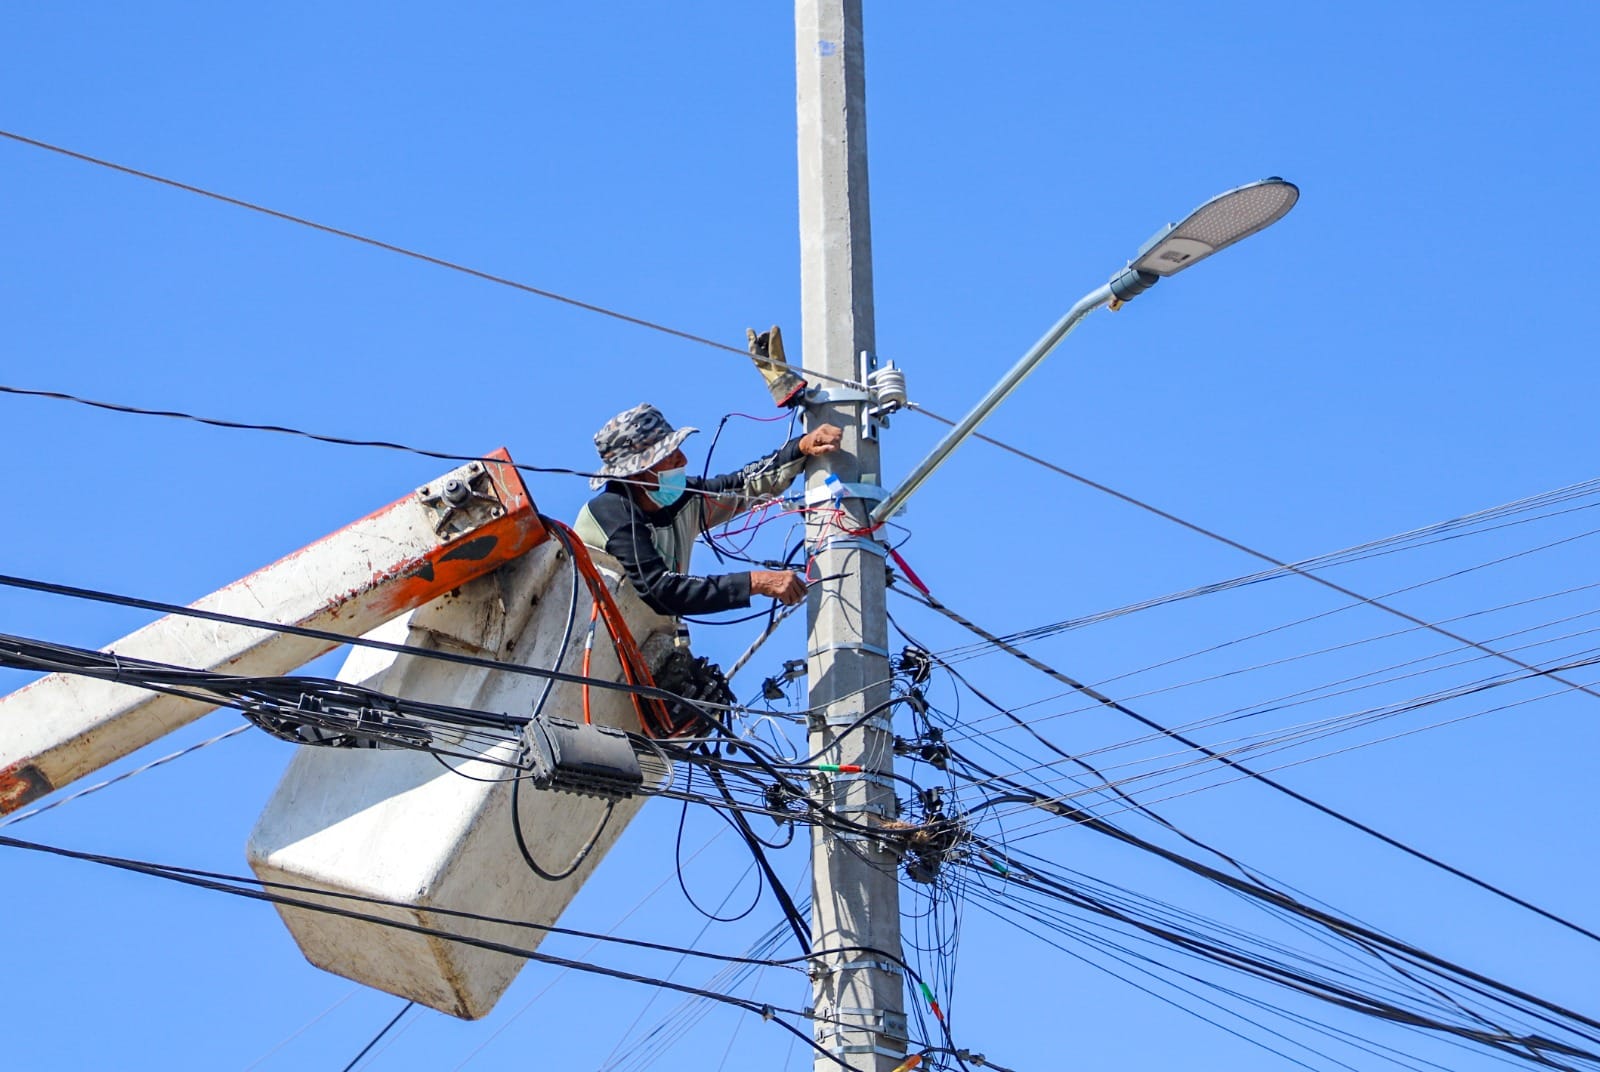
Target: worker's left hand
[[823, 439]]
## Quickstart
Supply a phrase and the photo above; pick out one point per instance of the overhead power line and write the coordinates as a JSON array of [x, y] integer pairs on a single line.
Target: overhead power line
[[461, 659], [1478, 523], [125, 775], [313, 711], [241, 887], [1027, 903], [1261, 746], [1271, 783], [1509, 997], [1420, 667], [247, 426], [1264, 557], [319, 437], [384, 1030], [390, 247], [94, 595]]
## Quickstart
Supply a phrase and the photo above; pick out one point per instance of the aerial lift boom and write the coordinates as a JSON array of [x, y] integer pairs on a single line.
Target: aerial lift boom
[[467, 524], [463, 566]]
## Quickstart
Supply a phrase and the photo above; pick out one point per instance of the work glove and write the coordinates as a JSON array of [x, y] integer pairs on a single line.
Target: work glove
[[766, 350]]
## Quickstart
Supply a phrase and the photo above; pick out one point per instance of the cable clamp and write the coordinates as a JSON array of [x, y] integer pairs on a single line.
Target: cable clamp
[[882, 1021], [849, 645], [880, 723], [865, 544], [822, 396], [844, 489], [864, 965], [881, 1051], [868, 840]]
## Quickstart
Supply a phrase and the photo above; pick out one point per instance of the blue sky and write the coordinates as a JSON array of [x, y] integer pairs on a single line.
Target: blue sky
[[1409, 346]]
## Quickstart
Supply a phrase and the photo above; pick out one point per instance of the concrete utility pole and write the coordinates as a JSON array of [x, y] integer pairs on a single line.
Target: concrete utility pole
[[859, 997]]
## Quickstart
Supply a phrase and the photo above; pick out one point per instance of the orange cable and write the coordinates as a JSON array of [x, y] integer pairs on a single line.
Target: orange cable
[[634, 668]]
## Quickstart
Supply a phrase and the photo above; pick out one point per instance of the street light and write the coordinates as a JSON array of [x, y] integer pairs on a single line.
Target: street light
[[1215, 225]]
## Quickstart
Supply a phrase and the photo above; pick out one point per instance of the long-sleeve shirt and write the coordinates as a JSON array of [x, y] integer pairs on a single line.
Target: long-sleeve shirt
[[653, 546]]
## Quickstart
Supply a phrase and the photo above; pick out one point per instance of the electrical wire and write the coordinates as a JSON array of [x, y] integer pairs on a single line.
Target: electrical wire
[[1278, 738], [1271, 783], [221, 884], [755, 645], [683, 885], [404, 252], [1349, 748], [791, 914], [758, 950], [1326, 727], [319, 437], [393, 720], [1344, 926], [593, 945], [1004, 910], [384, 1030], [1263, 556], [1243, 870], [1468, 525], [1302, 980], [259, 1061], [537, 710], [124, 776], [1301, 656], [460, 659]]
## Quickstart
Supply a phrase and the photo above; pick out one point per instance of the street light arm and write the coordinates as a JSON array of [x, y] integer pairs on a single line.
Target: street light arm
[[1225, 219], [997, 394]]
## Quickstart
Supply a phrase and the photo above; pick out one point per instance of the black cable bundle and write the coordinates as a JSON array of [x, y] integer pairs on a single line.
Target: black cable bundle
[[693, 680]]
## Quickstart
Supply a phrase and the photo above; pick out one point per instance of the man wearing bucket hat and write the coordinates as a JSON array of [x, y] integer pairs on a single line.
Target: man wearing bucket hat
[[650, 511]]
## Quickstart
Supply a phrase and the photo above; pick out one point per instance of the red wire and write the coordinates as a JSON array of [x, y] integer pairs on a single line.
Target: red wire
[[588, 649]]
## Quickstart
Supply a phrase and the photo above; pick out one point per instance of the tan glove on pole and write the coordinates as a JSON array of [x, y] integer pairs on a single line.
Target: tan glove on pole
[[766, 350]]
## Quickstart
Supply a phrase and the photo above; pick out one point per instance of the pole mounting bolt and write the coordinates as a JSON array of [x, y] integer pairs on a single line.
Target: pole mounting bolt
[[464, 500]]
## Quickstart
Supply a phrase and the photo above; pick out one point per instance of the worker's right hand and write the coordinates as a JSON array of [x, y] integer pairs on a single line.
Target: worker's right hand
[[783, 585]]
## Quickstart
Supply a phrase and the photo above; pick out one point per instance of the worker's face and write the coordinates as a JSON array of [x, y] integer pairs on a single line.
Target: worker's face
[[676, 460]]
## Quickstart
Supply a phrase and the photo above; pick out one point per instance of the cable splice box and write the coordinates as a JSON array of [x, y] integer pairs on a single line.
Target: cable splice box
[[582, 758]]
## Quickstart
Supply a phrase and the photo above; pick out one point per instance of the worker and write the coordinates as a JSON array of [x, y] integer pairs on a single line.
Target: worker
[[650, 511]]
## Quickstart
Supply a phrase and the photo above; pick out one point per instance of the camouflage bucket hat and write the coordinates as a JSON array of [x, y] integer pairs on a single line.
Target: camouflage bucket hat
[[633, 441]]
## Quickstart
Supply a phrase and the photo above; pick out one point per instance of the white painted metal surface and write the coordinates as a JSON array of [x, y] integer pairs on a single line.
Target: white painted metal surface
[[398, 826]]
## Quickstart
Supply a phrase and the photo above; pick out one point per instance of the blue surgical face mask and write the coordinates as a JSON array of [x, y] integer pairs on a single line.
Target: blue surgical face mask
[[670, 486]]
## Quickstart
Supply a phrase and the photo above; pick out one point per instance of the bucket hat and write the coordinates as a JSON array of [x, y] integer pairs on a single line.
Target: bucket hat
[[633, 441]]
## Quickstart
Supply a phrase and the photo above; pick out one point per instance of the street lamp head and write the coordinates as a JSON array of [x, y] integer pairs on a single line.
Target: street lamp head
[[1217, 224]]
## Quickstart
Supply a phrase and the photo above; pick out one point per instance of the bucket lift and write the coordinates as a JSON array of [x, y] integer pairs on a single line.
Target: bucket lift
[[463, 565]]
